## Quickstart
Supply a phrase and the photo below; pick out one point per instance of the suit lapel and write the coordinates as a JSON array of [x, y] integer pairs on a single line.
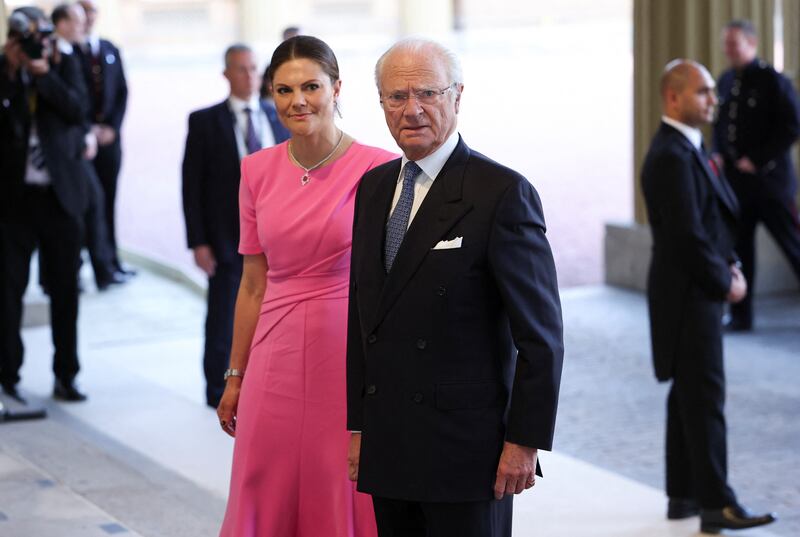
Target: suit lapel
[[226, 125], [372, 220], [442, 208], [718, 182]]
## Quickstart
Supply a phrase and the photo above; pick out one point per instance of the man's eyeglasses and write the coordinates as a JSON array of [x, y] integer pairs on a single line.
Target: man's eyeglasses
[[398, 100]]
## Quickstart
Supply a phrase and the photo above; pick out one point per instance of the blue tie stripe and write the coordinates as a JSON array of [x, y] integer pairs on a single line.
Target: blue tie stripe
[[398, 222], [251, 140]]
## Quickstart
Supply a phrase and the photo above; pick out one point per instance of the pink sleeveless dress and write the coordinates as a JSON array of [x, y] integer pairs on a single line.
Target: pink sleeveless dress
[[289, 476]]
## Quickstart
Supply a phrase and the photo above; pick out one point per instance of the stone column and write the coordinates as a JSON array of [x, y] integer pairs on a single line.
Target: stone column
[[426, 17], [791, 56], [3, 18], [662, 31]]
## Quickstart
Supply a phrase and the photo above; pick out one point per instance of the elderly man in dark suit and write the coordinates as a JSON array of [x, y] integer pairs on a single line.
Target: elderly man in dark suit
[[455, 341], [108, 101], [42, 191], [693, 272], [758, 121], [219, 136]]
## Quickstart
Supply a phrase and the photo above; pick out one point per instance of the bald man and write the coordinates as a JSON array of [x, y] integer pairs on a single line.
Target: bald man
[[693, 272]]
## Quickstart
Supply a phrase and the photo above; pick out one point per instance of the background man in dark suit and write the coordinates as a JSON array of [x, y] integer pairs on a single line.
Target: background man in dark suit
[[69, 21], [219, 136], [42, 190], [454, 334], [757, 124], [693, 272], [108, 100]]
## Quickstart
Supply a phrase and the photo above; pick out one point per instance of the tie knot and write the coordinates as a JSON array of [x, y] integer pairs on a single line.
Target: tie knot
[[411, 171], [247, 110]]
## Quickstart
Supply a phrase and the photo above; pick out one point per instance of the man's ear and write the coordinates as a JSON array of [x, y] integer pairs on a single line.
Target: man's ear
[[459, 90]]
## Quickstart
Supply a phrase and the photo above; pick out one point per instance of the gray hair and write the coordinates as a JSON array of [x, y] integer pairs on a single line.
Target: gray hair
[[235, 48], [743, 25], [421, 46]]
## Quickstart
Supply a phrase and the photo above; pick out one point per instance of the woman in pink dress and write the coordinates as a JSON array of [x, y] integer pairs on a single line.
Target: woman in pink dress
[[288, 410]]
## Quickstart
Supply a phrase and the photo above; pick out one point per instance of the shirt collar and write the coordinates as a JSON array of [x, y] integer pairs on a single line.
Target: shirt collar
[[433, 163], [692, 134], [64, 46], [238, 105], [93, 41]]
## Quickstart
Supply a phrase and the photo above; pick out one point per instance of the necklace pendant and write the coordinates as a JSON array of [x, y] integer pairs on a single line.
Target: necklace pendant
[[305, 180]]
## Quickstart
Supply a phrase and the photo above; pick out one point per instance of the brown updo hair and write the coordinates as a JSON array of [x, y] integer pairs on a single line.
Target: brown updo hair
[[305, 47]]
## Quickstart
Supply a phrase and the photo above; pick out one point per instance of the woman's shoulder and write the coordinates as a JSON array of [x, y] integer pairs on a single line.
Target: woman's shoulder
[[268, 158], [373, 156]]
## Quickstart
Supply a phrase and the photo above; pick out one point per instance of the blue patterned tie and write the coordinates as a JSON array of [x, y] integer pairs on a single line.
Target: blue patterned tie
[[398, 222], [251, 140]]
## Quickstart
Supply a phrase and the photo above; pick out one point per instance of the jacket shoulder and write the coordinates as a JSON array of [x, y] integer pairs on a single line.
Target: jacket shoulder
[[108, 45], [205, 114], [374, 175], [492, 173]]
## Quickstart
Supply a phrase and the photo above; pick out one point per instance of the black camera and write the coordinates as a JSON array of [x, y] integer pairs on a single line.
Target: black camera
[[30, 33]]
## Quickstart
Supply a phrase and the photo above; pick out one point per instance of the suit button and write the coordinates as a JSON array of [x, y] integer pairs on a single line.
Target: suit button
[[418, 398], [371, 389], [441, 291], [372, 338], [421, 344]]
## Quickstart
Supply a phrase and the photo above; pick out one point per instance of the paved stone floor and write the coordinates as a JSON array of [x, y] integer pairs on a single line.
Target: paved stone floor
[[144, 455], [612, 411]]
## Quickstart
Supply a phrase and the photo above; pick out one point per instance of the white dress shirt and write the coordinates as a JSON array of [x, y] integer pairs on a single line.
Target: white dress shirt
[[64, 46], [260, 123], [430, 166], [34, 175], [692, 134], [94, 44]]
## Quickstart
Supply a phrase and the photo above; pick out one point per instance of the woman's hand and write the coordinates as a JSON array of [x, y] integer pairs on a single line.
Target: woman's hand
[[229, 404]]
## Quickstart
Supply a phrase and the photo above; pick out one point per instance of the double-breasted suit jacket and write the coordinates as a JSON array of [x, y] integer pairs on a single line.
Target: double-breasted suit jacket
[[455, 350]]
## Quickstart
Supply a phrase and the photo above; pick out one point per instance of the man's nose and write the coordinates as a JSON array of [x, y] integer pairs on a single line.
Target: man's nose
[[412, 106]]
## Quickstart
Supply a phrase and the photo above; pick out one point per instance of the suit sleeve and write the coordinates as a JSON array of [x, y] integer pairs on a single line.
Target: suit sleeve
[[784, 123], [65, 92], [525, 274], [355, 344], [685, 238], [120, 104], [194, 184]]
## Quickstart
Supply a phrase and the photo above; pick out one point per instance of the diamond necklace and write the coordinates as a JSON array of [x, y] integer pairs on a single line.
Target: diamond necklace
[[306, 178]]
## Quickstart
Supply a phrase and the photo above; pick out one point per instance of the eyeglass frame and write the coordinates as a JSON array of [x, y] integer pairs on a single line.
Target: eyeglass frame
[[416, 93]]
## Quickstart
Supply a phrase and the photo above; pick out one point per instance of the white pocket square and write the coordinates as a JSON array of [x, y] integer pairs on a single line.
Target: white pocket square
[[449, 245]]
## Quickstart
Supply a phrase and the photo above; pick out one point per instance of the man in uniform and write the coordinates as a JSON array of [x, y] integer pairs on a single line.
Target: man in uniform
[[757, 125]]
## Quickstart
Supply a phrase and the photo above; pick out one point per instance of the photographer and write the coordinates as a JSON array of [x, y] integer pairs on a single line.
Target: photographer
[[43, 190]]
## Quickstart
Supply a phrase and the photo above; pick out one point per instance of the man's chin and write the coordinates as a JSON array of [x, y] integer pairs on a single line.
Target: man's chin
[[416, 151]]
